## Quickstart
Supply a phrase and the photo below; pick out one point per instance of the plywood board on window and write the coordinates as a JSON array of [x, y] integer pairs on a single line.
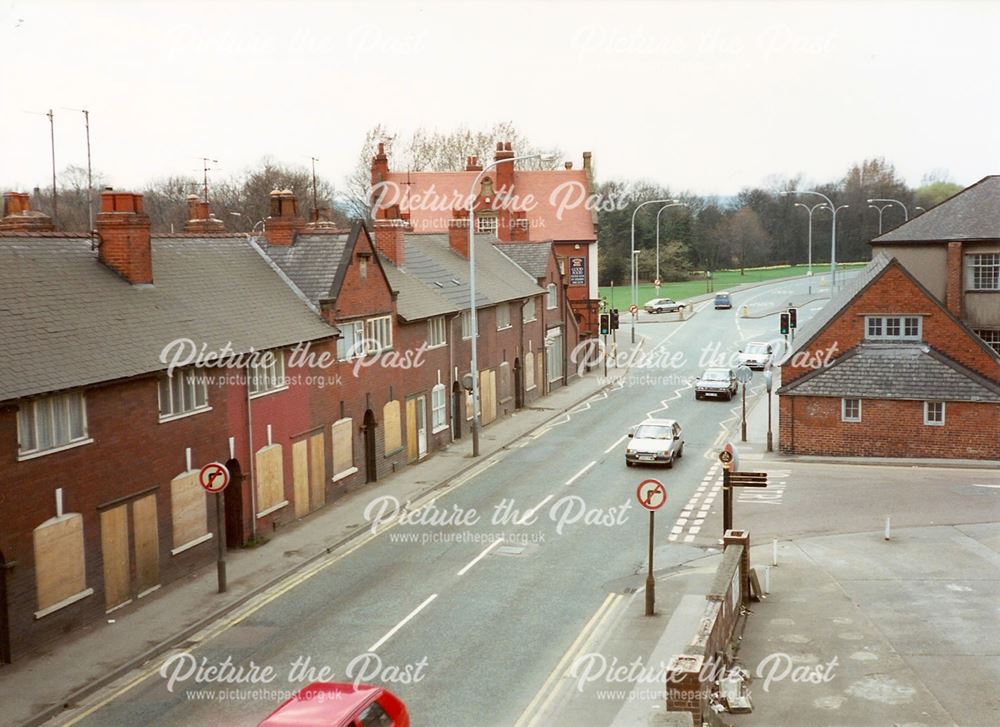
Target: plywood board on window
[[391, 426], [115, 556], [317, 470], [487, 396], [300, 477], [270, 477], [188, 509], [147, 543], [412, 448], [539, 369], [59, 559], [529, 371], [342, 434]]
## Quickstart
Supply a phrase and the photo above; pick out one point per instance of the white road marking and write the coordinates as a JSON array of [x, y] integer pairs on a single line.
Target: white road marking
[[530, 513], [401, 624], [479, 557], [579, 474], [609, 449]]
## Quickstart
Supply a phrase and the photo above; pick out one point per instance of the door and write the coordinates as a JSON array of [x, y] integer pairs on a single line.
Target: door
[[4, 628], [371, 468], [147, 545], [518, 384], [115, 552], [457, 414], [130, 569], [309, 474], [421, 426], [233, 499]]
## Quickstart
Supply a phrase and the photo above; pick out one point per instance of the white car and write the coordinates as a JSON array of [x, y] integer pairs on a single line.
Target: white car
[[662, 305], [756, 355], [655, 441]]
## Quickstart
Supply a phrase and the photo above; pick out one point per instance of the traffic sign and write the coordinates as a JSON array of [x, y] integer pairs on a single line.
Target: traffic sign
[[729, 457], [633, 309], [651, 494], [748, 479], [768, 380], [657, 282], [743, 374], [213, 477]]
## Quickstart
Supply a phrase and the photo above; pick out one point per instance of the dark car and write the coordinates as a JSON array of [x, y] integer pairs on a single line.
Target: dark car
[[716, 382], [722, 300]]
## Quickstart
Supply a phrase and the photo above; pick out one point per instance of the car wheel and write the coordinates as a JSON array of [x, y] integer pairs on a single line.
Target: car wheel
[[659, 310], [729, 396], [627, 463], [670, 462], [697, 396], [680, 452]]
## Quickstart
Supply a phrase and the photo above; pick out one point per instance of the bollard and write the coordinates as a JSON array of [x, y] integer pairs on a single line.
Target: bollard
[[745, 311], [774, 552], [887, 527], [767, 580]]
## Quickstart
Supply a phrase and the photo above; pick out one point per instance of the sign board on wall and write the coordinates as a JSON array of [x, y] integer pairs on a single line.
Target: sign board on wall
[[578, 271]]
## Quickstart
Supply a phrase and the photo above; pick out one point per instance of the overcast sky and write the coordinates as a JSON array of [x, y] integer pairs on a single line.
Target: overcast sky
[[704, 96]]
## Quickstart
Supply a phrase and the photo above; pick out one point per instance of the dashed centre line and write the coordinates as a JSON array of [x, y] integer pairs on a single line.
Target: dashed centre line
[[580, 474]]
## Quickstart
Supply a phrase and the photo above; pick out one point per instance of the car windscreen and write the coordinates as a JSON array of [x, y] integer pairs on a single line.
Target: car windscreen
[[715, 375], [652, 431], [757, 348], [722, 297]]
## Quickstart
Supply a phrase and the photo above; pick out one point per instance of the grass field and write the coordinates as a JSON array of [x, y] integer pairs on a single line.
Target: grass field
[[723, 280]]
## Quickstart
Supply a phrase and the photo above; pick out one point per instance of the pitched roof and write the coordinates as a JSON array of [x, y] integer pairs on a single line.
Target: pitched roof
[[429, 198], [911, 371], [416, 299], [315, 263], [532, 256], [66, 320], [972, 214]]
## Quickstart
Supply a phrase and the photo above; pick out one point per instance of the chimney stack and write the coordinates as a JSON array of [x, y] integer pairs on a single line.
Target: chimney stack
[[284, 222], [472, 164], [124, 228], [953, 286], [587, 157], [505, 169], [380, 165], [19, 217], [458, 232], [390, 235], [199, 218]]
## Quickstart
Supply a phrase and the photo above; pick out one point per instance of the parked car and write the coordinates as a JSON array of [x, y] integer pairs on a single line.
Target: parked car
[[333, 704], [722, 300], [716, 382], [655, 441], [662, 305], [756, 355]]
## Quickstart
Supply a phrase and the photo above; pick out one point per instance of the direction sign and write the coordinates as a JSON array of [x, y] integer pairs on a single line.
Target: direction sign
[[748, 479], [633, 309], [743, 374], [213, 477], [651, 494]]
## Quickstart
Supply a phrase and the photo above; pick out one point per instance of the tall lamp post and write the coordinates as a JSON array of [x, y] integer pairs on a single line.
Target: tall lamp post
[[906, 213], [635, 272], [833, 231], [810, 210], [472, 286], [664, 207], [880, 209]]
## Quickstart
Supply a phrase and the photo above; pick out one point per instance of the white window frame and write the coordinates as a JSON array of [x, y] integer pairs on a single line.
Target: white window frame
[[982, 267], [28, 419], [347, 346], [927, 410], [551, 296], [439, 409], [193, 377], [991, 336], [487, 224], [554, 363], [526, 316], [503, 317], [877, 328], [267, 376], [467, 324], [843, 411], [437, 332], [378, 334]]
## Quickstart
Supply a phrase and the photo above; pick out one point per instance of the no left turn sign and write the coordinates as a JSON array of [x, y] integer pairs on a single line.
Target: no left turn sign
[[213, 477]]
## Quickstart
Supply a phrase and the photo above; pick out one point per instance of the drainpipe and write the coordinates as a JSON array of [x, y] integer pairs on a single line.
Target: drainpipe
[[565, 336], [253, 478], [451, 368]]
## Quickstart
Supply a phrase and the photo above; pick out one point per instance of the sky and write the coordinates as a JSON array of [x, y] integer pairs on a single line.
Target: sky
[[705, 97]]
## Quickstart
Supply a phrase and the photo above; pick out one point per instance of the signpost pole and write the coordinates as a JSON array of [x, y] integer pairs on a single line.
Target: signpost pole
[[743, 426], [605, 356], [727, 500], [770, 446], [221, 534], [650, 581]]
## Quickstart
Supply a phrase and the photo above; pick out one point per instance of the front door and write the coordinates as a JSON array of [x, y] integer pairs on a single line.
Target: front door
[[421, 426], [130, 569]]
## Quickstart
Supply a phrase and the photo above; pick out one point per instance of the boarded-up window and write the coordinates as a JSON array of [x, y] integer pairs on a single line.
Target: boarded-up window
[[188, 510], [343, 448], [270, 479], [392, 427], [504, 387], [60, 570], [487, 396], [529, 371], [539, 367]]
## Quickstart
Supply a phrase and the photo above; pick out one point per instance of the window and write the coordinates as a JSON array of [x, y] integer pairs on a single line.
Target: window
[[182, 392], [51, 423], [343, 449], [551, 300], [991, 336], [554, 354], [436, 332], [983, 271], [486, 224], [350, 344], [528, 311], [850, 410], [266, 372], [438, 401], [934, 413], [378, 334], [906, 328], [467, 324], [363, 266], [503, 316]]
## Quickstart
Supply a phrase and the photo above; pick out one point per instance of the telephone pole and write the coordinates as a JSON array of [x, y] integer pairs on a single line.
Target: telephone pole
[[315, 209]]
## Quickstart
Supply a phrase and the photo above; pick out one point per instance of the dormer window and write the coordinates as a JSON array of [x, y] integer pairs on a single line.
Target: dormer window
[[893, 328], [486, 224]]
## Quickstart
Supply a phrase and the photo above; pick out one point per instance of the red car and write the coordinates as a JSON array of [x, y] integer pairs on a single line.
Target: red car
[[340, 705]]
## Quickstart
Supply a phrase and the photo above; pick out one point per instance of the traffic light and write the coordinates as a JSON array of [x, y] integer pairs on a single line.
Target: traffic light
[[605, 324], [792, 315], [614, 319], [783, 325]]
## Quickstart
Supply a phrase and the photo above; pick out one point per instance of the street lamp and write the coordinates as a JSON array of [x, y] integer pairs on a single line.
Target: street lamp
[[472, 286], [906, 214], [810, 210], [881, 209], [922, 209], [635, 272], [833, 232], [667, 206]]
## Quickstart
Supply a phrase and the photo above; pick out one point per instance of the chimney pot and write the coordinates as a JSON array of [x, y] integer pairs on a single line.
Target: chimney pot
[[19, 217], [125, 236], [568, 165]]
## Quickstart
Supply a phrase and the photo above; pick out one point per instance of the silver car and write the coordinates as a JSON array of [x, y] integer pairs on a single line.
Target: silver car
[[655, 441], [756, 355], [662, 305], [720, 383]]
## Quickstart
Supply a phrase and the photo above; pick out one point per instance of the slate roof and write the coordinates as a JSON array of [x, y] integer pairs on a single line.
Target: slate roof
[[416, 299], [532, 256], [314, 262], [66, 320], [972, 214], [895, 371]]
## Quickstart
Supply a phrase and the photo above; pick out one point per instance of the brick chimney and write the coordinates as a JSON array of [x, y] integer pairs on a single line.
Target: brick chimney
[[199, 218], [587, 160], [472, 164], [19, 217], [380, 165], [284, 222], [505, 169], [123, 228], [953, 289], [519, 226], [390, 235], [458, 232], [568, 165]]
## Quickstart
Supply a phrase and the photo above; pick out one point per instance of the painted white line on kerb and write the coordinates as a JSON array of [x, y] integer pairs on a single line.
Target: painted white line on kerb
[[401, 624], [608, 450], [579, 474], [479, 557], [530, 513]]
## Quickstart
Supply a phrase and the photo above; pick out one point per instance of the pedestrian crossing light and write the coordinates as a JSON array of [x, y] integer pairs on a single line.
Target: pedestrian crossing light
[[614, 319], [792, 316], [783, 325], [605, 324]]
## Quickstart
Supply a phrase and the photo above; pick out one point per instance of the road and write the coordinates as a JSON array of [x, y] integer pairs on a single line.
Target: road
[[467, 607]]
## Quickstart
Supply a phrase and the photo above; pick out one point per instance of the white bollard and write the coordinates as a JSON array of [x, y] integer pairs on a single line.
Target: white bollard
[[767, 580], [774, 552], [887, 526]]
